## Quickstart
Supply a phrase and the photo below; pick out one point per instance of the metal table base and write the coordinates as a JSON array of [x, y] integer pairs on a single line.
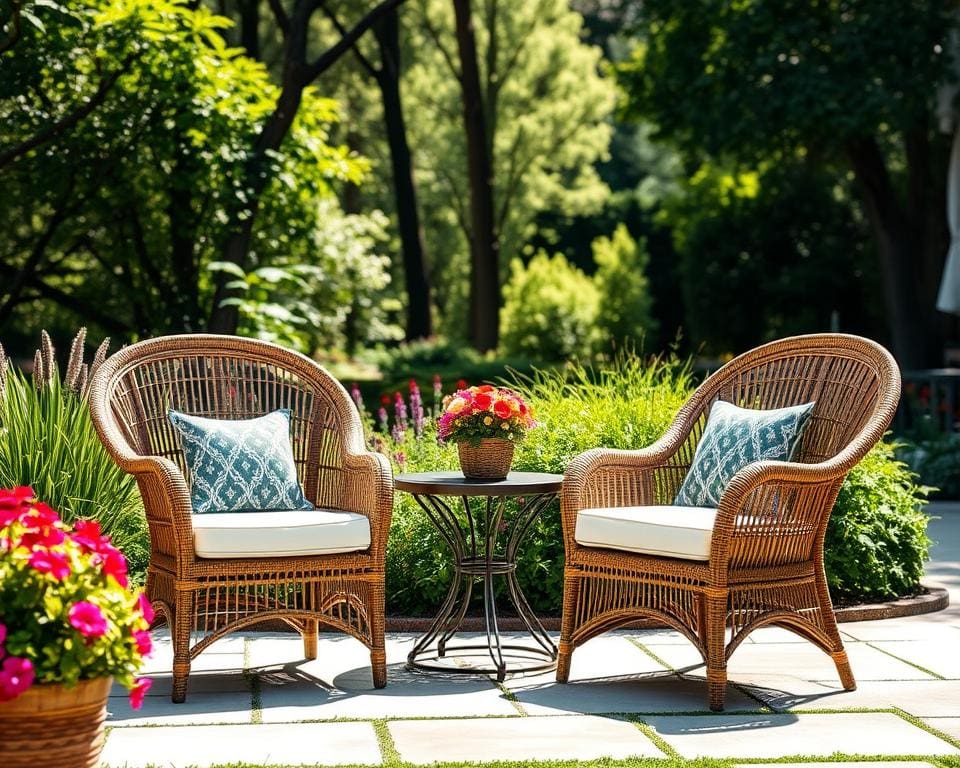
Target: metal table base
[[473, 538]]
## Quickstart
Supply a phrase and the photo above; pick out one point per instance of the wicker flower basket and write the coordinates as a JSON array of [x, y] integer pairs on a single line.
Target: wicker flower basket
[[49, 726], [488, 461]]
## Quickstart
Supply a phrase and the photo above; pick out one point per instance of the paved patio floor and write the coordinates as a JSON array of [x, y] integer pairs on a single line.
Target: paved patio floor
[[252, 699]]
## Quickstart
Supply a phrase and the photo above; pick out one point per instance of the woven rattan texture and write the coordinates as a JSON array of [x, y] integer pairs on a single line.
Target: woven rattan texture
[[225, 377], [766, 556]]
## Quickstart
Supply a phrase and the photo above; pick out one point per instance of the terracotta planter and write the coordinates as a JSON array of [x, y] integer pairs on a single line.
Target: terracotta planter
[[50, 726], [488, 461]]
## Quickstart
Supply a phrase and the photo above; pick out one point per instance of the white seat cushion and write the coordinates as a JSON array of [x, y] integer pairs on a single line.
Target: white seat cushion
[[279, 533], [668, 531]]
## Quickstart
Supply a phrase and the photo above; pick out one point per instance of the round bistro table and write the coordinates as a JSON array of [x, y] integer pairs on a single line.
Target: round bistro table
[[484, 538]]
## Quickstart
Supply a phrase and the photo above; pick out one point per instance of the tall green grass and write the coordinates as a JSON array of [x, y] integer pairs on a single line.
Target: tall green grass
[[47, 441]]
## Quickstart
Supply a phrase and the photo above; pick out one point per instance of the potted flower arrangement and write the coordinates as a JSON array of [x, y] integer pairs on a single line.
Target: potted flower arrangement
[[485, 422], [69, 626]]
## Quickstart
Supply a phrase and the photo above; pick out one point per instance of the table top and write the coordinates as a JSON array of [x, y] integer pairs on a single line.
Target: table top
[[455, 484]]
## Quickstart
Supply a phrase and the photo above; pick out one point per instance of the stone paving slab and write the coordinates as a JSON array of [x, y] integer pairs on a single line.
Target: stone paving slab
[[927, 626], [937, 655], [920, 698], [783, 735], [339, 684], [801, 660], [583, 737], [198, 709], [949, 725], [288, 745], [650, 693]]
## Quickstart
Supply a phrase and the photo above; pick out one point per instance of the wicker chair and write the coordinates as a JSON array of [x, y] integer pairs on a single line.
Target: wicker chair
[[764, 560], [205, 598]]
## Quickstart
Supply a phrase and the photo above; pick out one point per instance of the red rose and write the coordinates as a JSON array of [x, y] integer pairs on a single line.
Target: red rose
[[501, 409], [482, 401]]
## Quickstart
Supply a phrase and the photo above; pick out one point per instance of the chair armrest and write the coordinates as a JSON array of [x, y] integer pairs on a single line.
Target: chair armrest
[[772, 512], [614, 478], [369, 491]]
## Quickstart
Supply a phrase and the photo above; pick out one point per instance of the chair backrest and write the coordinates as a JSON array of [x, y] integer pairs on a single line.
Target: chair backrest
[[226, 377], [854, 383]]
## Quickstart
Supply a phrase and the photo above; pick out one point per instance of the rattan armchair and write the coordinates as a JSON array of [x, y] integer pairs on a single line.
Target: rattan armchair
[[765, 555], [203, 599]]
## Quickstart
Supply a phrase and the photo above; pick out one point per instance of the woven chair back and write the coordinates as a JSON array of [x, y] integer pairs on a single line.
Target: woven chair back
[[230, 378]]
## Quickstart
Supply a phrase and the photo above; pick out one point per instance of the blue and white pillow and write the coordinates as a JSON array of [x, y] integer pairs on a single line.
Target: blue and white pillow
[[240, 465], [734, 437]]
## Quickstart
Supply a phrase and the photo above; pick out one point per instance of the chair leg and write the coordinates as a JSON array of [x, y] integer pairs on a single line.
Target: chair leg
[[715, 632], [309, 634], [378, 653], [180, 634], [571, 599], [837, 652]]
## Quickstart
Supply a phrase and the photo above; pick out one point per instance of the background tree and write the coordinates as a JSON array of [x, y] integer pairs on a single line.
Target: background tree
[[545, 109], [848, 83]]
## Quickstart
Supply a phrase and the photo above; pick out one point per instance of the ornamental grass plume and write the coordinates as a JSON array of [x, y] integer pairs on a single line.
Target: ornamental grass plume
[[66, 610], [472, 414]]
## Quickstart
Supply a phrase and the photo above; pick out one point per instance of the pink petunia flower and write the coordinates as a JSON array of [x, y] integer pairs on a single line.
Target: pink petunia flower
[[87, 534], [88, 619], [114, 564], [16, 675], [144, 642], [145, 608], [139, 690], [54, 563]]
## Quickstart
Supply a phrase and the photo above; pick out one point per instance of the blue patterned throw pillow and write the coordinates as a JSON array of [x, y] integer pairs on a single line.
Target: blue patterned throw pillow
[[240, 465], [733, 438]]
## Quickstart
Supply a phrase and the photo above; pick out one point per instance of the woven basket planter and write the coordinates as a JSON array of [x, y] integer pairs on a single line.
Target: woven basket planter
[[488, 461], [50, 726]]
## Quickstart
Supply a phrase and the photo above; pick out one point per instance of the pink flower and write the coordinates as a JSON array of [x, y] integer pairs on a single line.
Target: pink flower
[[87, 534], [3, 637], [88, 619], [139, 690], [144, 643], [16, 675], [114, 564], [54, 563], [145, 608]]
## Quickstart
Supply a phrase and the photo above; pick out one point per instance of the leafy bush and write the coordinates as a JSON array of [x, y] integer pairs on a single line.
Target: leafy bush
[[937, 462], [876, 539], [47, 441], [549, 310], [626, 305]]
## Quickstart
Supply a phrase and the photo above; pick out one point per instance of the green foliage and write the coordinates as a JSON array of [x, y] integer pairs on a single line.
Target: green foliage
[[547, 107], [329, 300], [626, 306], [937, 463], [549, 310], [769, 253], [747, 79], [48, 442], [876, 539]]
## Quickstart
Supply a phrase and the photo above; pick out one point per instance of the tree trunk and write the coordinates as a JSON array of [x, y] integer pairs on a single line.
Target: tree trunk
[[484, 323], [906, 257], [250, 27], [419, 324]]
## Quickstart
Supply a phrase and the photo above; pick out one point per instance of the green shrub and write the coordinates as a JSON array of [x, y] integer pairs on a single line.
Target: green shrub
[[626, 305], [47, 441], [876, 539], [937, 462], [549, 310]]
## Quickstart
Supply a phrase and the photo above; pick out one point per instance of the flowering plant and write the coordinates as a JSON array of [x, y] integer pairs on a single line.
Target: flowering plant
[[66, 612], [471, 414]]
